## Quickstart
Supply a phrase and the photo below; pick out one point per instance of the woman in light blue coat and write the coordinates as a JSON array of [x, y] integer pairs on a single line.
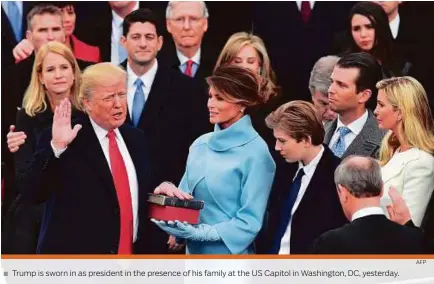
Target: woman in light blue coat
[[231, 169]]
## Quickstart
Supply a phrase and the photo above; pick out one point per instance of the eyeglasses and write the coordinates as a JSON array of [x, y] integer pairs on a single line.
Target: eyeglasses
[[111, 98], [193, 21]]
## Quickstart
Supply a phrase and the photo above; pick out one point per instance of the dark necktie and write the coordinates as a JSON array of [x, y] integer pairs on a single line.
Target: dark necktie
[[285, 212], [306, 11], [122, 185]]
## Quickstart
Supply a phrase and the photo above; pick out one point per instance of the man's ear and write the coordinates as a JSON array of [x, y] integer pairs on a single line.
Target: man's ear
[[29, 35], [364, 96], [168, 26], [160, 42], [343, 193], [205, 26], [123, 41]]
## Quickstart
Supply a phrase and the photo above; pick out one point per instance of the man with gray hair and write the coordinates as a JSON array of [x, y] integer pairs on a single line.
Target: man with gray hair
[[319, 84], [360, 186], [187, 22]]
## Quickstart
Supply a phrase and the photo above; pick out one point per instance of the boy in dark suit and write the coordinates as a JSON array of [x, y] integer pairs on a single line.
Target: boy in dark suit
[[360, 186], [303, 203]]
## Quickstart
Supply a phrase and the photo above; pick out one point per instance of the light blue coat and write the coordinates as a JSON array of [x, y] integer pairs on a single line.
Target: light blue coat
[[232, 171]]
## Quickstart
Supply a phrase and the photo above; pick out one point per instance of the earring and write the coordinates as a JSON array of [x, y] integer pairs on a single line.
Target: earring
[[241, 109]]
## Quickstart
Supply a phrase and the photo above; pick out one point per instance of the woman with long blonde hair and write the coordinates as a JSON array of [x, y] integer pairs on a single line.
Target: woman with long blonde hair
[[55, 76], [248, 51], [406, 153]]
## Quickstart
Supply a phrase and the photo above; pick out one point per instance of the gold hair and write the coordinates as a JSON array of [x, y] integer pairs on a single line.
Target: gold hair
[[35, 99], [241, 39], [416, 128]]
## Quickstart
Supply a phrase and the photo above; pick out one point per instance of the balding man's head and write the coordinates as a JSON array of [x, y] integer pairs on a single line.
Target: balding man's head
[[361, 176]]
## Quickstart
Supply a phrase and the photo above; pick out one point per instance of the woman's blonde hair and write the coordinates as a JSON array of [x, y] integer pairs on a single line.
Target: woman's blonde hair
[[408, 96], [241, 39], [35, 99]]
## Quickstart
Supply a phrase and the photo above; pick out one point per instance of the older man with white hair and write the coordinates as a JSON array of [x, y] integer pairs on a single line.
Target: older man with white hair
[[319, 84], [187, 22]]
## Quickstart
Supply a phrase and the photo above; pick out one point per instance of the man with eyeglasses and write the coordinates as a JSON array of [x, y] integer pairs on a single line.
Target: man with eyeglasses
[[187, 22], [93, 177]]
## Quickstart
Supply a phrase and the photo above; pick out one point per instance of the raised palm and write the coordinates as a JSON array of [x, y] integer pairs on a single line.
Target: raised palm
[[63, 134]]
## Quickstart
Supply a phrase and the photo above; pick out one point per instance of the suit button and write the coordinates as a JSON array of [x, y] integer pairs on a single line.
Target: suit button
[[117, 211], [113, 252]]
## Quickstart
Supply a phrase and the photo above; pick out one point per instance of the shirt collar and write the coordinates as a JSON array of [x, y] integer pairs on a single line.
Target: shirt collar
[[356, 126], [183, 59], [367, 212], [146, 78], [309, 169], [394, 26], [100, 132], [118, 20], [238, 134]]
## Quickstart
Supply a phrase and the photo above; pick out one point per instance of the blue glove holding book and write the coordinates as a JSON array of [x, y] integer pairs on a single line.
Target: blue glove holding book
[[201, 232]]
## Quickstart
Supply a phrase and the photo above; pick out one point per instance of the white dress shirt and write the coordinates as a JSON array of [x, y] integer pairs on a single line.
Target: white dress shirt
[[309, 170], [147, 79], [116, 36], [356, 127], [368, 211], [183, 61], [394, 26], [131, 170], [299, 4]]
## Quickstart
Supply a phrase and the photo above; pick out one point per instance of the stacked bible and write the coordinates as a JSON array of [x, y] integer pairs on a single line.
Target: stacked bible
[[166, 208]]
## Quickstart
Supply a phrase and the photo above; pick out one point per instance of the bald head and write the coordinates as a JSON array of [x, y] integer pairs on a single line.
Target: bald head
[[361, 176]]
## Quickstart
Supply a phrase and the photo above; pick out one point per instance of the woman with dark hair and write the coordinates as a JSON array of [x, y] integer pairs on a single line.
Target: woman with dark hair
[[231, 169], [369, 31]]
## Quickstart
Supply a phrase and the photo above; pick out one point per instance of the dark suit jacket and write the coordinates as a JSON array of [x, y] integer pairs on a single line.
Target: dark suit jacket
[[367, 143], [373, 234], [206, 66], [318, 211], [8, 38], [174, 115], [294, 46], [81, 214]]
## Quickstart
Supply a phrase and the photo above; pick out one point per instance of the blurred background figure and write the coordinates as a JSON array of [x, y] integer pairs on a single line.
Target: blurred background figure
[[248, 51], [297, 34], [187, 23], [406, 154], [81, 50], [369, 31], [304, 180], [55, 76], [359, 186], [319, 84]]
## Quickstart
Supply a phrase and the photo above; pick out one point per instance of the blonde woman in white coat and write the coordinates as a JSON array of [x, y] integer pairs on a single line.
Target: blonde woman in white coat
[[406, 154]]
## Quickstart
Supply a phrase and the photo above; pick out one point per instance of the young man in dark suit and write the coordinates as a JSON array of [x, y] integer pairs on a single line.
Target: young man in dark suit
[[94, 178], [168, 106], [303, 202], [352, 95], [360, 186]]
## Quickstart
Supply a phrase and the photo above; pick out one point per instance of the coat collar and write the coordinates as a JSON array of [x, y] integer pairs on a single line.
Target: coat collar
[[238, 134]]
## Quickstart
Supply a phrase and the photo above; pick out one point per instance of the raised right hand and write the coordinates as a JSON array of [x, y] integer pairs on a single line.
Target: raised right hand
[[63, 134], [171, 190], [15, 139], [22, 50]]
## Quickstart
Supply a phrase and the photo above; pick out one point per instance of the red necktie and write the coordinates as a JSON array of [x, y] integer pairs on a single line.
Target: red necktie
[[120, 179], [189, 69], [305, 11]]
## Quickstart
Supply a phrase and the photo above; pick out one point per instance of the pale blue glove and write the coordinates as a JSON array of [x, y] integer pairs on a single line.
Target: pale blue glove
[[201, 232]]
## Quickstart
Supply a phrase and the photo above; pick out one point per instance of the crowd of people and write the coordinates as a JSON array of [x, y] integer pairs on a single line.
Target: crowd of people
[[315, 136]]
